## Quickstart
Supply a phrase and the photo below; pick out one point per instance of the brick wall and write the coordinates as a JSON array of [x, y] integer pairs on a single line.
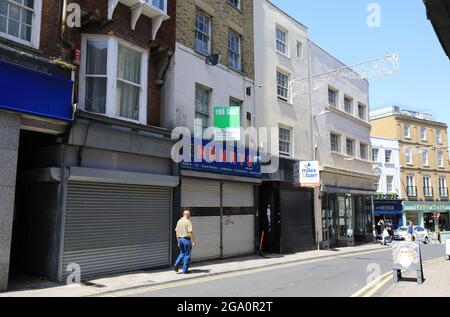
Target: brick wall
[[55, 45], [224, 17]]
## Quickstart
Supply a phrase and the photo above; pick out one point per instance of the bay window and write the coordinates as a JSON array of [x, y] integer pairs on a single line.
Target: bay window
[[113, 78], [20, 21]]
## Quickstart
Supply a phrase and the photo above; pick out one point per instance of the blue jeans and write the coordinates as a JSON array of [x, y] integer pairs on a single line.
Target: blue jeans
[[185, 246]]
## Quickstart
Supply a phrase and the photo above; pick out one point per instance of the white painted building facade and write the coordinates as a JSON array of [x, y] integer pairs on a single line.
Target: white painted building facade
[[386, 165], [281, 57]]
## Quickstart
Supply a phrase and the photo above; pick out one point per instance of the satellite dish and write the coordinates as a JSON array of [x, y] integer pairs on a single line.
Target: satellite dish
[[213, 60]]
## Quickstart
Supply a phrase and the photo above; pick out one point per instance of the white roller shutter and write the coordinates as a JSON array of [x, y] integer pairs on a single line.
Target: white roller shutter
[[113, 228], [238, 229], [203, 198], [238, 235], [199, 193], [238, 195]]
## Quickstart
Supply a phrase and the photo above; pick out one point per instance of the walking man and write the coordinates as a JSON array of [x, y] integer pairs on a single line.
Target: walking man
[[186, 241]]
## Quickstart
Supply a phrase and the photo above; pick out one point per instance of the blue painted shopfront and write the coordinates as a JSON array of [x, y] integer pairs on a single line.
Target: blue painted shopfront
[[216, 157], [35, 92]]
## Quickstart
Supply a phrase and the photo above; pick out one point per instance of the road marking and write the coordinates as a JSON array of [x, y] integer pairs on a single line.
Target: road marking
[[373, 287], [220, 276]]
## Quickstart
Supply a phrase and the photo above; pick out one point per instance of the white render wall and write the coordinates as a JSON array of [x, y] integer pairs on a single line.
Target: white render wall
[[336, 120], [187, 69], [383, 169], [271, 111]]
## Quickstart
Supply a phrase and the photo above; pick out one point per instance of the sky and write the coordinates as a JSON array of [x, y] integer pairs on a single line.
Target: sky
[[340, 27]]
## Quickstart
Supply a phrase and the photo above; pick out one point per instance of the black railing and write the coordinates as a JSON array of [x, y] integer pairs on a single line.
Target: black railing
[[411, 191], [443, 192], [428, 192]]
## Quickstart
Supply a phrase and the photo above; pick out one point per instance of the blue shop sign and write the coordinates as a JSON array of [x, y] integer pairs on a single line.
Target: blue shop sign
[[217, 157], [34, 92], [388, 207]]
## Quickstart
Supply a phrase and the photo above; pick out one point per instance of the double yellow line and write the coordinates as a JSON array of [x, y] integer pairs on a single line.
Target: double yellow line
[[374, 286], [220, 276]]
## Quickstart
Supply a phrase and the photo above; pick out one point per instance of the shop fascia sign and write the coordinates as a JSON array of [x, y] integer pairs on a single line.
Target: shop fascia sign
[[227, 123], [426, 207], [307, 173]]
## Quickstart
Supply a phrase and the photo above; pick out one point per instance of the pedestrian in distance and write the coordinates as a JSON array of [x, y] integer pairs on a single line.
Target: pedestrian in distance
[[186, 241], [382, 226], [411, 231]]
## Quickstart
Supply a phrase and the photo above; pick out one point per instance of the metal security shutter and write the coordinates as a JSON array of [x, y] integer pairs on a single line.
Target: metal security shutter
[[239, 219], [113, 228], [207, 233], [297, 220], [199, 193], [202, 197], [238, 195]]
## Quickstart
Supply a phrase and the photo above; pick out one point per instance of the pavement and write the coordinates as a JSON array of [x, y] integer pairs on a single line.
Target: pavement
[[125, 283], [436, 284]]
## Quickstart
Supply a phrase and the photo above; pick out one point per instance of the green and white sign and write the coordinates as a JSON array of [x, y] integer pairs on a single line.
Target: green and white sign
[[227, 123], [426, 206]]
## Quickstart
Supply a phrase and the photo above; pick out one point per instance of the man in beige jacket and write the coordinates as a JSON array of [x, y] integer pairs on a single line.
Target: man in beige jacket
[[186, 241]]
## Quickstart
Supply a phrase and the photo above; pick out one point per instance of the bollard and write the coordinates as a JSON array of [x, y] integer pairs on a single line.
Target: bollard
[[447, 248]]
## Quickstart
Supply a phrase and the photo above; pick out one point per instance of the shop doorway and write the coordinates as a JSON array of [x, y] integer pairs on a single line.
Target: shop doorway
[[31, 235]]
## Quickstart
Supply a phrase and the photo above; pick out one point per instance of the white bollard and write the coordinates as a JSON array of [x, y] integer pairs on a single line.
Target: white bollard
[[447, 248]]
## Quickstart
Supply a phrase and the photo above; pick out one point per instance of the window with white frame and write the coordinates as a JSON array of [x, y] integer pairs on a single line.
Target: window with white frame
[[411, 189], [388, 156], [350, 146], [348, 105], [423, 134], [408, 156], [281, 40], [202, 32], [235, 3], [427, 189], [234, 50], [375, 155], [406, 130], [362, 113], [438, 136], [332, 97], [363, 151], [440, 159], [202, 108], [282, 86], [285, 141], [443, 190], [113, 78], [20, 21], [425, 157], [389, 184], [335, 141]]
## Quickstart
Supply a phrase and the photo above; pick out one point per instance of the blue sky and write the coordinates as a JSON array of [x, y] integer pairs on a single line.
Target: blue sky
[[340, 27]]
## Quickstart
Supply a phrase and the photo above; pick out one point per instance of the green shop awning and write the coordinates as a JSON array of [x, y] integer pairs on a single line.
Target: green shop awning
[[426, 206]]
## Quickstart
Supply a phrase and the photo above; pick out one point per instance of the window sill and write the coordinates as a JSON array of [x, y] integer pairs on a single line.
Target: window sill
[[236, 8], [201, 53], [283, 54], [285, 101]]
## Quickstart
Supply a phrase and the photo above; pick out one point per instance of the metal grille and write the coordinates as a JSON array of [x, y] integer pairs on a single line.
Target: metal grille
[[113, 228]]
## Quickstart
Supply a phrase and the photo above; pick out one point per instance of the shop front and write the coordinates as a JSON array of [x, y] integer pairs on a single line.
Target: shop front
[[433, 216], [286, 222], [346, 208], [388, 210], [346, 218], [221, 197]]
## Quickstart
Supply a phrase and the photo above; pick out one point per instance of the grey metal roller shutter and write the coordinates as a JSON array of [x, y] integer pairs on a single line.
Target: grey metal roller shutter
[[113, 228], [199, 193], [238, 229], [238, 195], [203, 198], [207, 233]]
